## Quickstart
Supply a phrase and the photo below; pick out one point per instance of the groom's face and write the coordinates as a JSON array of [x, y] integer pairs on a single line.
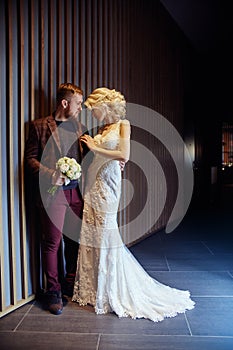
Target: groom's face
[[74, 106]]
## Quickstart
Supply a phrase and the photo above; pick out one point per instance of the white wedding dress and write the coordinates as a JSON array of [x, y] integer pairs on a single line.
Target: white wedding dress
[[108, 276]]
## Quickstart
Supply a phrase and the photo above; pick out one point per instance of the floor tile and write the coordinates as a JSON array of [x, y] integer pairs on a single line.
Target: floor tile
[[188, 255], [10, 321], [199, 283], [212, 263], [212, 317], [141, 342], [154, 265], [175, 246], [104, 324], [47, 341], [219, 246]]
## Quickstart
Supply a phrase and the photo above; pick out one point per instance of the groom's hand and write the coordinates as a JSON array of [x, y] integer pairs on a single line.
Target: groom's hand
[[58, 178], [122, 165]]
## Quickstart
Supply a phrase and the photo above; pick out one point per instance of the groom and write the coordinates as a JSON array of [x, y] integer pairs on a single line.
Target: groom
[[49, 139]]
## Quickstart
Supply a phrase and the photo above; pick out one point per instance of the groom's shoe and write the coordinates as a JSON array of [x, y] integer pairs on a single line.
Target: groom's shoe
[[54, 302]]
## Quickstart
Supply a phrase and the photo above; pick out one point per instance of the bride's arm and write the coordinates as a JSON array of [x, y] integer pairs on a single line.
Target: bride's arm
[[122, 153]]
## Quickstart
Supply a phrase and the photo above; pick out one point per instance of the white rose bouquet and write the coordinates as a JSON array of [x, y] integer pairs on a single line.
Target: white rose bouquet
[[70, 169]]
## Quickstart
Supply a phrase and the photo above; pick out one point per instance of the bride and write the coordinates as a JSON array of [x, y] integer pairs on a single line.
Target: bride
[[108, 276]]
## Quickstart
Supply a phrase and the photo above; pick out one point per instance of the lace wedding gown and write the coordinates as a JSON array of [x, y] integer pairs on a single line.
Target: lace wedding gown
[[108, 276]]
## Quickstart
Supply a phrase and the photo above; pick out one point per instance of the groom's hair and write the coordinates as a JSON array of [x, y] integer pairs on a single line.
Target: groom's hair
[[66, 91]]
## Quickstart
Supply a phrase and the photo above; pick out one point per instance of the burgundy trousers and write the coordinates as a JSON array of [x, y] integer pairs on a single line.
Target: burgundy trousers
[[62, 219]]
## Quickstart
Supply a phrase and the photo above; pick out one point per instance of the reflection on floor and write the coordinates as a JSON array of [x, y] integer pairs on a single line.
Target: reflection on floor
[[197, 256]]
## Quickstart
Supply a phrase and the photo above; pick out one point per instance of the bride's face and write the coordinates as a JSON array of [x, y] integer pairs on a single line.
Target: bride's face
[[98, 114]]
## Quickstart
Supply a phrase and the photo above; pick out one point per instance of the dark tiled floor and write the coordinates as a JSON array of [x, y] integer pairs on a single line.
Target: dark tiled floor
[[197, 256]]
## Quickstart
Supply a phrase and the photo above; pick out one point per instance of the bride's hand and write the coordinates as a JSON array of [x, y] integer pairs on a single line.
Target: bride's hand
[[89, 141], [122, 165]]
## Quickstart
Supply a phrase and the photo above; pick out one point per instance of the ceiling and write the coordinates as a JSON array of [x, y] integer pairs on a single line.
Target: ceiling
[[208, 24]]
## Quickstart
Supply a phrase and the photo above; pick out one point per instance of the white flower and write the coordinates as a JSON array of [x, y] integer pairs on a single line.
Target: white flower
[[69, 168], [63, 168], [70, 174], [70, 161], [60, 162], [74, 168]]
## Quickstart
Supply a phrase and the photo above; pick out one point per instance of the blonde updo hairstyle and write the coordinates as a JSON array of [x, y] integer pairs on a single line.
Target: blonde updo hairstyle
[[110, 102]]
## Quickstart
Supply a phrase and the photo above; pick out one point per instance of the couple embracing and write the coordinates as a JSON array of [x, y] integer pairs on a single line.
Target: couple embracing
[[100, 270]]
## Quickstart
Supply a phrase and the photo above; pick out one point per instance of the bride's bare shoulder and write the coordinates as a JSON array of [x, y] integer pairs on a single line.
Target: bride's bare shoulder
[[125, 122]]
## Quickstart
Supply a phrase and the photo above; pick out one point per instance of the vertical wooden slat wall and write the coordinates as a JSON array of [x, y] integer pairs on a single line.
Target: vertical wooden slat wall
[[130, 45], [3, 200]]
